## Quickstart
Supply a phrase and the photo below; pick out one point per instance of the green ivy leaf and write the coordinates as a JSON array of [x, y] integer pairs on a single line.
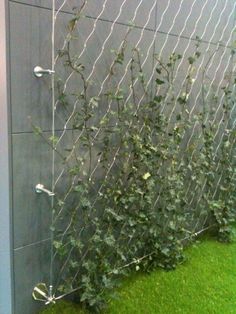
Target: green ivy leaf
[[159, 82], [146, 176]]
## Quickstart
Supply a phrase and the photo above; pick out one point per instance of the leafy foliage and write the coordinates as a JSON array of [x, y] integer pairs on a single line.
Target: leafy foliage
[[138, 182]]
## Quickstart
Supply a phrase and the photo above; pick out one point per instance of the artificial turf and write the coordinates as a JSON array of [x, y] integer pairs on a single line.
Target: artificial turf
[[204, 284]]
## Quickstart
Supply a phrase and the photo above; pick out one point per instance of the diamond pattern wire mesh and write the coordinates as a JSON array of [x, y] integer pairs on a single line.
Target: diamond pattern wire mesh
[[96, 33]]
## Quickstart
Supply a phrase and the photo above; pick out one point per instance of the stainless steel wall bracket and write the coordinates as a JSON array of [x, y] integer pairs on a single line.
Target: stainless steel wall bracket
[[41, 293], [41, 189], [39, 71]]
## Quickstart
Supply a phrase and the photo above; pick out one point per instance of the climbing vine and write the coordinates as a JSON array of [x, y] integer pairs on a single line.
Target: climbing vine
[[138, 184]]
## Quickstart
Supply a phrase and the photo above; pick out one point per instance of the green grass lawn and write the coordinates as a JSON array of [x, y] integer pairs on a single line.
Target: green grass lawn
[[204, 284]]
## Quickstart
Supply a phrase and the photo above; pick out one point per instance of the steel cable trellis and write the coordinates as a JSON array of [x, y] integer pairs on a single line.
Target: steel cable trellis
[[63, 220]]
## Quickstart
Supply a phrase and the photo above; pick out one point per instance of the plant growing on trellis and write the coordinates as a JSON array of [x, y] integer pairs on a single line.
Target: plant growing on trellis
[[137, 186]]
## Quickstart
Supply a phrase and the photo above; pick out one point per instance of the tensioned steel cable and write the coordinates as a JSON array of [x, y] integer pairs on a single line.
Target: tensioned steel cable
[[77, 139], [51, 280], [214, 55], [114, 160], [102, 55], [103, 82], [191, 10], [60, 212]]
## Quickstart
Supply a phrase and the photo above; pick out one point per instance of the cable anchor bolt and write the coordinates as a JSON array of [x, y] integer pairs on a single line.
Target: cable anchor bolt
[[41, 189], [39, 71]]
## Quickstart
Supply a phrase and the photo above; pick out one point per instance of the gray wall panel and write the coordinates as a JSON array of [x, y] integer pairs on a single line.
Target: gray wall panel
[[30, 46], [121, 11], [31, 165], [31, 267], [6, 295]]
